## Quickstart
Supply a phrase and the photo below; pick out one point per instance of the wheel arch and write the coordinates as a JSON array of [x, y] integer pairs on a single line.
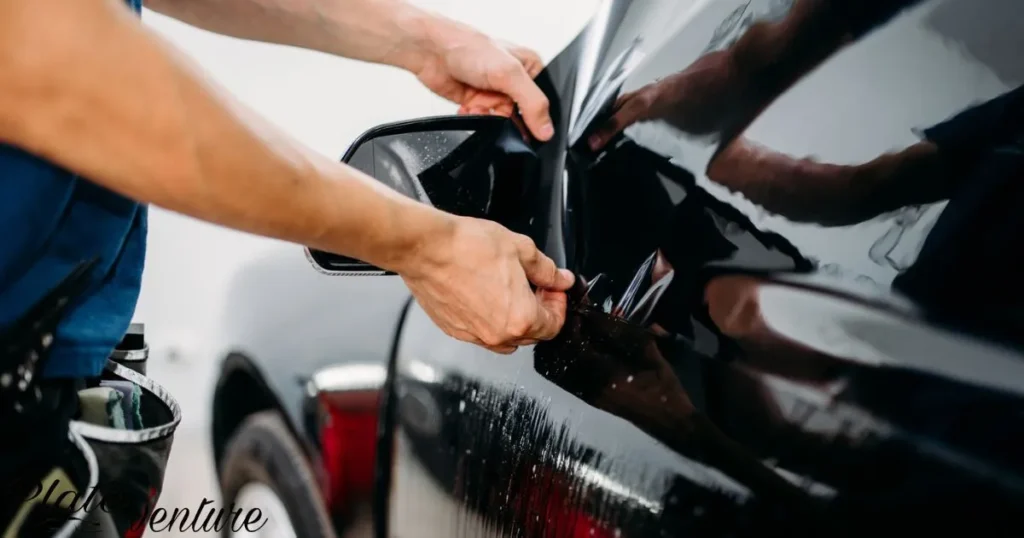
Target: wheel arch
[[241, 391]]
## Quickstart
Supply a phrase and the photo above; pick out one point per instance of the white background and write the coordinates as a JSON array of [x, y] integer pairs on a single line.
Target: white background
[[322, 101]]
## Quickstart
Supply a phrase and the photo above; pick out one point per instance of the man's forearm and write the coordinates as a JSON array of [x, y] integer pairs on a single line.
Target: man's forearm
[[87, 87], [773, 55], [391, 32]]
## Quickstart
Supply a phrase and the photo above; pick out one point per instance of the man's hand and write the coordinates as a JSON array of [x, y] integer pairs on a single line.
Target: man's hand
[[484, 76], [700, 100], [165, 135], [452, 59], [474, 283]]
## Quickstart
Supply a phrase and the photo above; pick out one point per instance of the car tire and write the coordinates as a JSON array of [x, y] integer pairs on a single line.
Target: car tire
[[262, 456]]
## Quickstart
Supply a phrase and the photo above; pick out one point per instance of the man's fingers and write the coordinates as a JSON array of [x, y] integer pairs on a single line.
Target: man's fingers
[[615, 125], [505, 109], [531, 60], [502, 350], [515, 82], [626, 113], [541, 270], [487, 101], [550, 314], [505, 349]]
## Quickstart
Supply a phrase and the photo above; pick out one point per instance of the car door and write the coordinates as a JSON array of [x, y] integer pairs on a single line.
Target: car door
[[798, 311]]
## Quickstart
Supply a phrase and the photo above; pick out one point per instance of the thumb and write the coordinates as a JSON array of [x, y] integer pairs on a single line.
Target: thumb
[[533, 104], [541, 270], [551, 307]]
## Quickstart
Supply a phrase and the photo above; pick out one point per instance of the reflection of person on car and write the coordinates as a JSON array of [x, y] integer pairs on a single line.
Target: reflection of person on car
[[725, 90], [929, 171], [968, 266], [974, 160]]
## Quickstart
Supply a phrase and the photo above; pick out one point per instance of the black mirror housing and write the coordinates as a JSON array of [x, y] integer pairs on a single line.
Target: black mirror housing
[[474, 166]]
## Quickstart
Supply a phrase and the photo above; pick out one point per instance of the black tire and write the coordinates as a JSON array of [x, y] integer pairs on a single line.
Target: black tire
[[263, 450]]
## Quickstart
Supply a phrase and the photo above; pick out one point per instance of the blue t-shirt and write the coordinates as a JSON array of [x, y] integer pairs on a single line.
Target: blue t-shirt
[[51, 221]]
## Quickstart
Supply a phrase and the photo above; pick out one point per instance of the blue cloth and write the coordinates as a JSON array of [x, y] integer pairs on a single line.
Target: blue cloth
[[51, 221]]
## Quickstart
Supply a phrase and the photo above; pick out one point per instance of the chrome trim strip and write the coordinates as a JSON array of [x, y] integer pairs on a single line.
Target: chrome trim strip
[[321, 270], [354, 377]]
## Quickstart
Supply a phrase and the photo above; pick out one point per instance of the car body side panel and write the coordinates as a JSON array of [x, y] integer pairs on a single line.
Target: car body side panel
[[292, 322], [735, 363]]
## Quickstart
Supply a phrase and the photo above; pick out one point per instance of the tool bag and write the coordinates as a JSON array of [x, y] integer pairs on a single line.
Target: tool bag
[[133, 454], [68, 466]]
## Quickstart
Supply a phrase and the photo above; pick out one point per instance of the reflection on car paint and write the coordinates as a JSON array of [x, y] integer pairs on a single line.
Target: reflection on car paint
[[743, 17], [718, 374], [602, 93], [887, 252], [504, 457]]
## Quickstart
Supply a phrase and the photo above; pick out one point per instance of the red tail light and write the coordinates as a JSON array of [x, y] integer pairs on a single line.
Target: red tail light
[[348, 436]]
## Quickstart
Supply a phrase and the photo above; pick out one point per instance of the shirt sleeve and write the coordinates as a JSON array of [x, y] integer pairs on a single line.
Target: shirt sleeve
[[862, 16]]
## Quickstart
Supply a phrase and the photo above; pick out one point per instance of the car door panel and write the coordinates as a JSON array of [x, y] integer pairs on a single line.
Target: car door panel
[[746, 354], [514, 452]]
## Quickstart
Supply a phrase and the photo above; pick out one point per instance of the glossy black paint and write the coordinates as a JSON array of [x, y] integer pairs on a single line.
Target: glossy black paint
[[705, 342], [760, 343]]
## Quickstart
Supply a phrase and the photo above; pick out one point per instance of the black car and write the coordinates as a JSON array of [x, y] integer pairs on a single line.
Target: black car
[[798, 227]]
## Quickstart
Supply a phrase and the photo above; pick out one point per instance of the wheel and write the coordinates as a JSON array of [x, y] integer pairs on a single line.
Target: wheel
[[264, 468]]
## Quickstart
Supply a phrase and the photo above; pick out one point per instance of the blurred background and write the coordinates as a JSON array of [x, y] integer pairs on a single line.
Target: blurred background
[[325, 102]]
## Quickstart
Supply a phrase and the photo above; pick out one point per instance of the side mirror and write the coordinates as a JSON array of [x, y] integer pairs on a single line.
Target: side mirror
[[474, 166]]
